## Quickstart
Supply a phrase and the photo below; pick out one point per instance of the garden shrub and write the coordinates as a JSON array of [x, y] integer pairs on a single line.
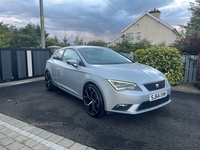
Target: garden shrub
[[165, 59], [189, 45]]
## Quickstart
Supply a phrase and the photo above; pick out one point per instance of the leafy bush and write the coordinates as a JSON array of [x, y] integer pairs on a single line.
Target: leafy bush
[[127, 47], [189, 44], [166, 59], [97, 43], [141, 56]]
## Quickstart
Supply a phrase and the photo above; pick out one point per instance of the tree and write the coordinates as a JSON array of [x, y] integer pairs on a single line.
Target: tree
[[78, 40], [25, 37], [65, 41], [97, 43], [193, 25], [4, 35], [53, 41], [190, 42]]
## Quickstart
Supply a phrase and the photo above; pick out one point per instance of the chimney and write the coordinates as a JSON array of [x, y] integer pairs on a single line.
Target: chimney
[[156, 13]]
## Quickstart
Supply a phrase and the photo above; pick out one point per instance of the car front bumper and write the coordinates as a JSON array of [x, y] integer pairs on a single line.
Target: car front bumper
[[133, 102]]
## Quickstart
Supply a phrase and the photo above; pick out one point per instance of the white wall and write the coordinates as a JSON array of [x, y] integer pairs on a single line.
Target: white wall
[[152, 30]]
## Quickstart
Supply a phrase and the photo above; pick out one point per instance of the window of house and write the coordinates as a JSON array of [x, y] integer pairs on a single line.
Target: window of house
[[138, 36], [58, 55], [129, 36]]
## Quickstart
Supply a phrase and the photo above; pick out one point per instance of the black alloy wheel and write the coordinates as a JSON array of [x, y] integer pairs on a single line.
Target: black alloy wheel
[[48, 82], [93, 101]]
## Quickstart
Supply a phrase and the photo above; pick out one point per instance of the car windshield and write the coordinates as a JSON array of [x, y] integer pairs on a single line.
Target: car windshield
[[102, 56]]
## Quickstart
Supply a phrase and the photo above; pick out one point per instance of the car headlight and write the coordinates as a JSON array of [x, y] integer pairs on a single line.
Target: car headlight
[[121, 85]]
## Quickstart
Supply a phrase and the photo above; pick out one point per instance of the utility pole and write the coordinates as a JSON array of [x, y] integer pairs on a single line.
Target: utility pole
[[42, 24]]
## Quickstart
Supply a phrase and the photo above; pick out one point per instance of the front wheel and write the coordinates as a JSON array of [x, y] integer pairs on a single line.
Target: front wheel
[[93, 101], [49, 82]]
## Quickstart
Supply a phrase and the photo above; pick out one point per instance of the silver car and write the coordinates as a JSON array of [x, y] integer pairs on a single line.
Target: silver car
[[106, 81]]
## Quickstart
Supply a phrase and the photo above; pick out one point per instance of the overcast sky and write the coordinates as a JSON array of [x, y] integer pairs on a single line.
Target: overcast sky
[[90, 19]]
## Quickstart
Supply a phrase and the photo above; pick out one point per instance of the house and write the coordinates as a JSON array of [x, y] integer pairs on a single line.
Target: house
[[149, 26]]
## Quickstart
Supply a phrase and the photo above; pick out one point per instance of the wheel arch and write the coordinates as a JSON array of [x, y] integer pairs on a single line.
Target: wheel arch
[[99, 88]]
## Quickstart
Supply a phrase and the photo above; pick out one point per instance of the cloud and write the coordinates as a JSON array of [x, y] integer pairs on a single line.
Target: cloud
[[88, 18]]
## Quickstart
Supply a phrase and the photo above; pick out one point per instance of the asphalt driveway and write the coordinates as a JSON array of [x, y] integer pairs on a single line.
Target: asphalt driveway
[[175, 126]]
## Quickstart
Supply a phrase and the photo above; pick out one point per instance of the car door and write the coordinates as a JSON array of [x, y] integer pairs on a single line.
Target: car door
[[56, 60], [68, 75]]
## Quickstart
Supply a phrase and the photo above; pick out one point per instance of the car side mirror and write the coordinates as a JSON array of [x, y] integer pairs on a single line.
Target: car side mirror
[[73, 62]]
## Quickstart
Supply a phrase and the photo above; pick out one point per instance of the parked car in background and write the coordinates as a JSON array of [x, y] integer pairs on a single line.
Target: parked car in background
[[106, 81]]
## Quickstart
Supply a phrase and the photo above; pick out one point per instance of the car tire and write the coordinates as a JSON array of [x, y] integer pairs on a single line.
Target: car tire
[[49, 82], [93, 101]]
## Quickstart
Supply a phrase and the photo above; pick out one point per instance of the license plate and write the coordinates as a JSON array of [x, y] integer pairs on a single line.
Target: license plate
[[157, 96]]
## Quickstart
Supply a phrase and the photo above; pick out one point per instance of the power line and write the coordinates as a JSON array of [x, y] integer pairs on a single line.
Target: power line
[[116, 10]]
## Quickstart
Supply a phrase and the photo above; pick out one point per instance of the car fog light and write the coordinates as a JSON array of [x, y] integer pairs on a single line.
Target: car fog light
[[122, 107]]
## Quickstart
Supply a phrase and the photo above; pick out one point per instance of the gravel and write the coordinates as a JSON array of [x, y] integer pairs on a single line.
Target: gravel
[[186, 87]]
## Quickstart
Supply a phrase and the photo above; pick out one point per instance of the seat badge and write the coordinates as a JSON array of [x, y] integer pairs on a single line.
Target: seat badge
[[157, 85]]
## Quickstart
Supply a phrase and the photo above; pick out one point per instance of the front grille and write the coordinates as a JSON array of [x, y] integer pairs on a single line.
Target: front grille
[[150, 104], [155, 86]]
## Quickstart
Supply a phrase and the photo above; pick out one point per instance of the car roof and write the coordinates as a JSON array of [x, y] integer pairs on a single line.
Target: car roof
[[84, 46]]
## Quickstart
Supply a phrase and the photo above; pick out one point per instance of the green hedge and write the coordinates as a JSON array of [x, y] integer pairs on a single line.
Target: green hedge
[[165, 59]]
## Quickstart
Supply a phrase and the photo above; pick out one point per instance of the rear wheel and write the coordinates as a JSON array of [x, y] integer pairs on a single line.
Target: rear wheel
[[49, 82], [93, 101]]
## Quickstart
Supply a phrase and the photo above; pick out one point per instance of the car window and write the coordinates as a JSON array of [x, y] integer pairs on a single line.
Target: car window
[[58, 55], [102, 56], [71, 54]]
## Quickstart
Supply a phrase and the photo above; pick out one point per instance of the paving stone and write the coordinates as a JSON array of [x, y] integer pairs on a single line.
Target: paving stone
[[44, 142], [55, 146], [40, 147], [31, 136], [21, 138], [30, 143], [6, 131], [55, 138], [27, 128], [6, 141], [17, 135], [1, 127], [2, 136], [25, 148], [25, 133], [66, 143], [49, 144], [13, 134], [45, 134], [78, 146], [14, 146], [2, 148], [36, 138], [19, 124], [36, 131], [12, 122], [6, 118]]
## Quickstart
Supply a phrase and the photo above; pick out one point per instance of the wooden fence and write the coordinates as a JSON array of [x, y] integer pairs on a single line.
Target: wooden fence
[[190, 66]]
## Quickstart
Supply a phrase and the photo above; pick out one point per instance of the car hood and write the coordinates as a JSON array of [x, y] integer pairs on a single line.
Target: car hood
[[134, 72]]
